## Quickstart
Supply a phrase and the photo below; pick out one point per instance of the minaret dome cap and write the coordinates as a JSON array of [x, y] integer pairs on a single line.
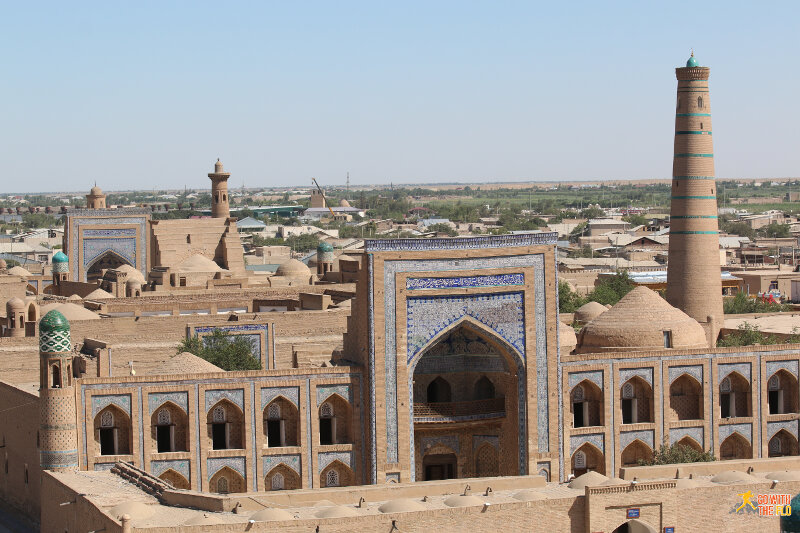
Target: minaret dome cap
[[218, 166], [60, 257], [53, 322], [692, 62]]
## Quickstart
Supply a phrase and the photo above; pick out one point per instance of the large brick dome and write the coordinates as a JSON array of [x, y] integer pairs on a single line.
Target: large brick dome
[[639, 322]]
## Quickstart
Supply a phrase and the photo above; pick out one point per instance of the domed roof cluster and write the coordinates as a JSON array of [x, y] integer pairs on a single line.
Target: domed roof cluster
[[198, 263], [639, 322], [70, 311]]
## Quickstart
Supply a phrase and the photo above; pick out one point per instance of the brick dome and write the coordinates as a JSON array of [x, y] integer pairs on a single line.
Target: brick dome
[[293, 269], [589, 311], [638, 322]]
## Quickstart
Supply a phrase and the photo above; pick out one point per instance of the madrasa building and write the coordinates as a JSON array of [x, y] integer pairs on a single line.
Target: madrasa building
[[454, 396]]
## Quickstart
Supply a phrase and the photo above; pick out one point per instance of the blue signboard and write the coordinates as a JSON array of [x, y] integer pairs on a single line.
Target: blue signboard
[[633, 513], [669, 530]]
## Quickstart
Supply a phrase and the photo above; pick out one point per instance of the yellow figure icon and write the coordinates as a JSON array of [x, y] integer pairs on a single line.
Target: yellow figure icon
[[746, 497]]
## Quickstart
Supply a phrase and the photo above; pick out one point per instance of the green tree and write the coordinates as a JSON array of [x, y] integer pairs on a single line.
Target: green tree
[[777, 230], [636, 220], [611, 289], [38, 220], [742, 304], [443, 228], [738, 228], [229, 352], [568, 300], [678, 453]]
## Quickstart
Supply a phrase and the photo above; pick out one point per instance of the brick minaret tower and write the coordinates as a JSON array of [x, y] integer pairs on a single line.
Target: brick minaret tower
[[58, 436], [694, 283], [220, 204]]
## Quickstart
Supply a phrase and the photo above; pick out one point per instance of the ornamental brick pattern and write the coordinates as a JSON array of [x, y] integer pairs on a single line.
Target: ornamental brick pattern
[[693, 278]]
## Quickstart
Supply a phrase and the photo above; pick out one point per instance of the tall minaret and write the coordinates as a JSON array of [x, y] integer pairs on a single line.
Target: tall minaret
[[220, 204], [58, 436], [694, 282]]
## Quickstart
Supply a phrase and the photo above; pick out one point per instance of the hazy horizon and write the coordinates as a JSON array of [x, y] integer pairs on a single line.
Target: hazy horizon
[[148, 95]]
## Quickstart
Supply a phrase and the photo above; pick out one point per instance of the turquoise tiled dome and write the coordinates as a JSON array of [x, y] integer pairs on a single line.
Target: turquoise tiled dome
[[692, 62], [60, 257]]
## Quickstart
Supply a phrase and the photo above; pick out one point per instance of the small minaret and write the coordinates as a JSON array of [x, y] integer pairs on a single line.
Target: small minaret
[[58, 436], [325, 258], [220, 204], [15, 315], [60, 269], [694, 282], [96, 199]]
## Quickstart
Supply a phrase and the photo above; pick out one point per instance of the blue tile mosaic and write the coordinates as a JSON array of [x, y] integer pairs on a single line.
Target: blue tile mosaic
[[180, 466], [326, 458], [100, 402], [459, 243], [290, 393], [157, 399], [695, 433], [235, 396], [471, 282], [290, 460], [215, 464]]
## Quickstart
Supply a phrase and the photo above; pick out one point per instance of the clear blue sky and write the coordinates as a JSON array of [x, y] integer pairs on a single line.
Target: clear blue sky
[[149, 94]]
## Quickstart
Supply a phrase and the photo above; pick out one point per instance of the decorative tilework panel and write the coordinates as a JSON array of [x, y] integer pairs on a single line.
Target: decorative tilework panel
[[774, 366], [180, 466], [696, 371], [595, 376], [595, 439], [324, 392], [460, 243], [129, 232], [393, 478], [645, 373], [58, 459], [123, 247], [478, 440], [724, 369], [789, 425], [235, 396], [498, 280], [745, 430], [123, 401], [542, 391], [695, 433], [290, 393], [271, 461], [157, 399], [326, 458], [391, 268], [627, 437], [215, 464], [543, 468], [502, 313], [78, 226], [448, 441], [55, 342], [99, 467]]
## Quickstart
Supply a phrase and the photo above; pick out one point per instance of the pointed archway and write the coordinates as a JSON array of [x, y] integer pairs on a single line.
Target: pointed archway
[[108, 260], [446, 408]]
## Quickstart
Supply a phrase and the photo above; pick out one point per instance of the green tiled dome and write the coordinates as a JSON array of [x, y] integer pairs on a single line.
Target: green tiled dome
[[52, 322], [54, 335], [324, 247]]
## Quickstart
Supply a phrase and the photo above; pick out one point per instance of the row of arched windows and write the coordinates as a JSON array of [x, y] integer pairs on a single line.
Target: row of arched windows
[[686, 399], [440, 391], [226, 427]]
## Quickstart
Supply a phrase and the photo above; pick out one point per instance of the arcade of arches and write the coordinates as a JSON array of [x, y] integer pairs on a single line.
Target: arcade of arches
[[465, 407]]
